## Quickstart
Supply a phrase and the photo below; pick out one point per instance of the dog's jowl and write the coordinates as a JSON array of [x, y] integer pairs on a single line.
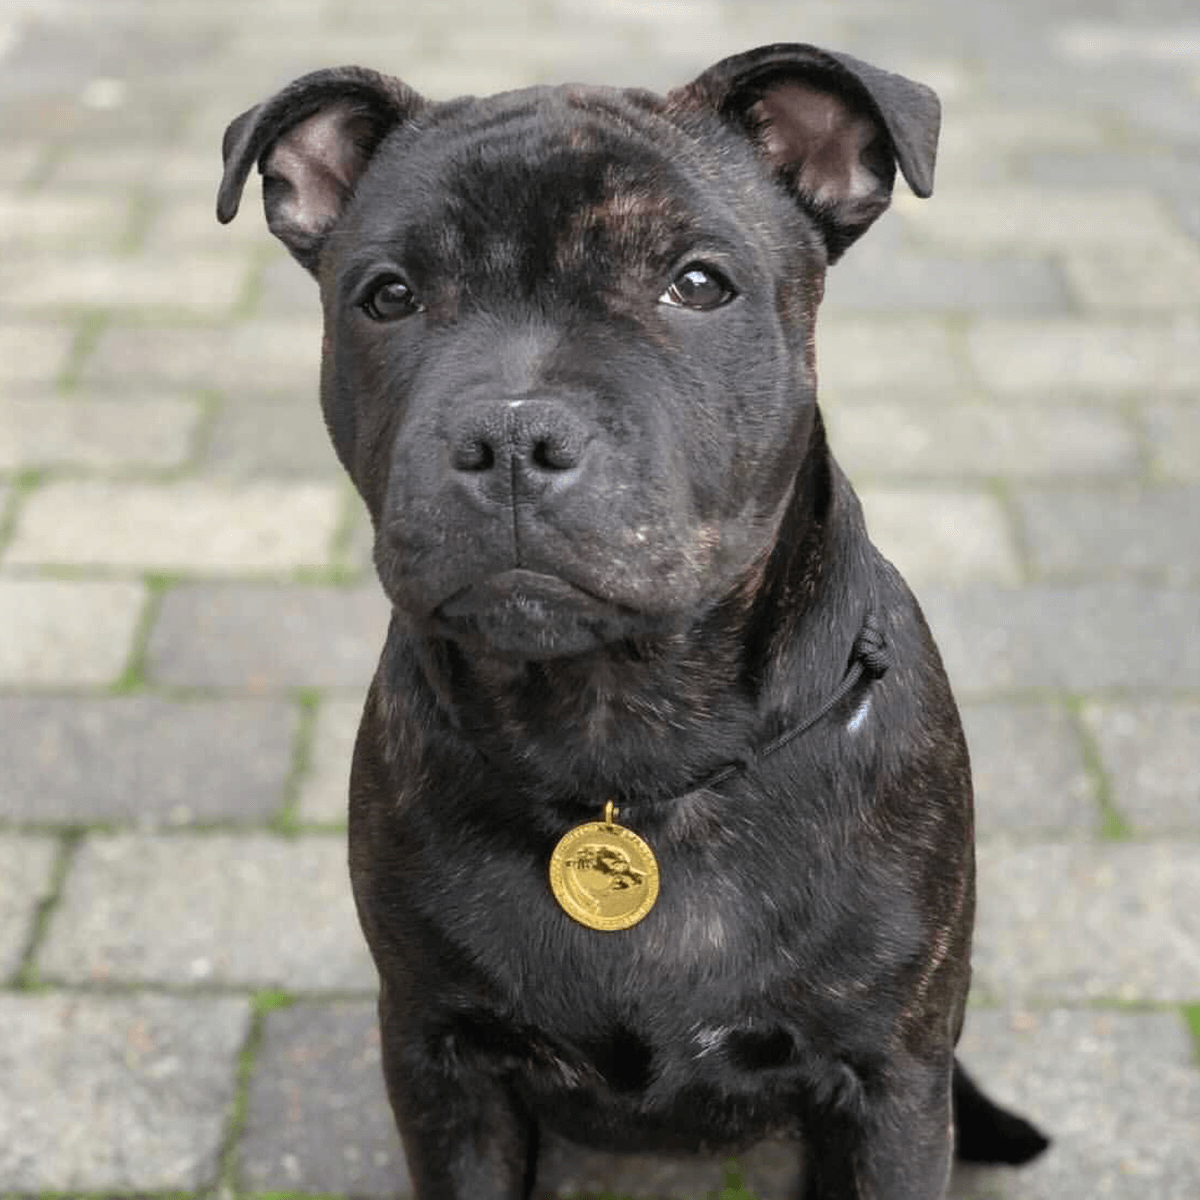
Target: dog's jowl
[[660, 810]]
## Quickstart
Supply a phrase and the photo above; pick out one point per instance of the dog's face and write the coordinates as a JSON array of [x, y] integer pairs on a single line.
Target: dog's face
[[568, 332]]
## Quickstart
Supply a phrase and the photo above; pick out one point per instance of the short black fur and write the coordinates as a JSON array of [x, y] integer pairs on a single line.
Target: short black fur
[[621, 555]]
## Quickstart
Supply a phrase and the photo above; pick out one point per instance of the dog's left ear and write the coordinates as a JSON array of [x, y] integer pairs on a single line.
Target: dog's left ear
[[831, 127]]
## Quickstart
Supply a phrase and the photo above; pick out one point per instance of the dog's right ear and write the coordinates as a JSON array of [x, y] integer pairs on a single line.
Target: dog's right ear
[[312, 142]]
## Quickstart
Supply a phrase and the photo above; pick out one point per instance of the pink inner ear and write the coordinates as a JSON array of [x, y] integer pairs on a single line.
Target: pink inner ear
[[321, 159], [817, 131]]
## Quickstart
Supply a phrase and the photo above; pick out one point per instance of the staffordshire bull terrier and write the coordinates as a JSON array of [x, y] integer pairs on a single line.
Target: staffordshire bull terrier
[[660, 809]]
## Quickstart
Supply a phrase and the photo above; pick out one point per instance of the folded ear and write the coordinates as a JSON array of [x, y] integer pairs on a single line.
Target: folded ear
[[312, 142], [831, 127]]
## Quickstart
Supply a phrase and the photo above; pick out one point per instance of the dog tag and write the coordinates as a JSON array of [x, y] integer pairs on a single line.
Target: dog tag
[[603, 875]]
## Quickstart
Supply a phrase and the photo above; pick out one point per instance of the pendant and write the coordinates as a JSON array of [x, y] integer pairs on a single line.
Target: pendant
[[603, 875]]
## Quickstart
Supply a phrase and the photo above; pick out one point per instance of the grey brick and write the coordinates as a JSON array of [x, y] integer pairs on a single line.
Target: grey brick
[[1029, 772], [1158, 277], [187, 526], [203, 285], [1064, 357], [70, 633], [1077, 922], [142, 759], [1065, 636], [900, 355], [942, 535], [926, 283], [897, 438], [178, 219], [26, 864], [247, 358], [61, 219], [1118, 1092], [17, 161], [1150, 750], [283, 438], [96, 432], [122, 1092], [1174, 434], [1123, 532], [32, 353], [287, 290], [250, 910], [318, 1118], [1025, 218], [324, 793], [268, 636]]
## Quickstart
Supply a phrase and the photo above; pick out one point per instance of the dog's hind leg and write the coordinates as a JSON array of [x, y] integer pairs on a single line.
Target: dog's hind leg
[[987, 1133]]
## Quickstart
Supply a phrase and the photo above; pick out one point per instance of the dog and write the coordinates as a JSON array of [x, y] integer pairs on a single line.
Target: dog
[[661, 825]]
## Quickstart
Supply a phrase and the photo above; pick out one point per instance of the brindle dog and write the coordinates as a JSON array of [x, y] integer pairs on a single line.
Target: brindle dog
[[569, 364]]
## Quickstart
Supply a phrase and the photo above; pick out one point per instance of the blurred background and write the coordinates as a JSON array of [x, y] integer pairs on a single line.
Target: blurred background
[[1011, 375]]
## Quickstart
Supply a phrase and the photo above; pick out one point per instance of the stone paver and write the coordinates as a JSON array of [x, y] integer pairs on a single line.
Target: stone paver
[[318, 1118], [1119, 1091], [258, 357], [283, 438], [61, 220], [143, 760], [255, 911], [32, 353], [1150, 751], [895, 438], [1064, 358], [26, 864], [190, 526], [96, 432], [1009, 372], [1114, 533], [202, 285], [1072, 922], [943, 536], [61, 632], [122, 1092], [1174, 434], [270, 636], [324, 792], [1072, 636], [1029, 771], [1020, 219]]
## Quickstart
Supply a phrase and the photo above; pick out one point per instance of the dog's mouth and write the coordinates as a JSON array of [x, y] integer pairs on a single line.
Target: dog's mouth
[[525, 614]]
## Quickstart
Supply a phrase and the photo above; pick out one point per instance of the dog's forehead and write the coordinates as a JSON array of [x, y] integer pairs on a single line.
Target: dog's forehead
[[562, 159]]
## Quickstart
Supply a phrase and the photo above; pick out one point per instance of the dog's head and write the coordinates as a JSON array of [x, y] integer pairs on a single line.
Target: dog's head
[[568, 355]]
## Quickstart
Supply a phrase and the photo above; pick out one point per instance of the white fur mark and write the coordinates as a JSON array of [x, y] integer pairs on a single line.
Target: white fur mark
[[859, 716]]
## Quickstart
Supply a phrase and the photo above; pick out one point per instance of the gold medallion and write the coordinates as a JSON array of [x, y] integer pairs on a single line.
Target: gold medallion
[[603, 875]]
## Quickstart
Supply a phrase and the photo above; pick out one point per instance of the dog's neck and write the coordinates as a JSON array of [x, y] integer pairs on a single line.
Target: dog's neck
[[644, 721]]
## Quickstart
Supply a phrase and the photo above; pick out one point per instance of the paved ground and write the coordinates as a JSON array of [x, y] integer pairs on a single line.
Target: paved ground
[[187, 617]]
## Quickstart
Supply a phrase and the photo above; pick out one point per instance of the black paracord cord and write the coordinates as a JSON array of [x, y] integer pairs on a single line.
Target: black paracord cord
[[868, 657]]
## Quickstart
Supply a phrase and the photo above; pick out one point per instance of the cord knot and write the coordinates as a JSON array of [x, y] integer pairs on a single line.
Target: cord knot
[[871, 648]]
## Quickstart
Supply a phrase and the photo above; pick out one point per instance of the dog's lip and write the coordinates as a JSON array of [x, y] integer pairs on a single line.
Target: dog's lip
[[519, 586]]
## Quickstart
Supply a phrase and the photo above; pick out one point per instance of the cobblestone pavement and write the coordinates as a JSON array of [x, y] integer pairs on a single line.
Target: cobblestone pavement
[[1011, 373]]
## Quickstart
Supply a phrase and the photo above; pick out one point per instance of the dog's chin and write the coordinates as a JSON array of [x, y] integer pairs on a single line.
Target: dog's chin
[[521, 614]]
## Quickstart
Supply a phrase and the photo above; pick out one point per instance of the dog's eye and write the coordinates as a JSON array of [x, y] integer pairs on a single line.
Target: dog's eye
[[390, 301], [700, 287]]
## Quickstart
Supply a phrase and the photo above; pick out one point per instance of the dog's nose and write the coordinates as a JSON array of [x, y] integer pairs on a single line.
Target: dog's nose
[[523, 445]]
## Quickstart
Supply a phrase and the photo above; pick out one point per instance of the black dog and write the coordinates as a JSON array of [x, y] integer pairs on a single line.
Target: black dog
[[569, 364]]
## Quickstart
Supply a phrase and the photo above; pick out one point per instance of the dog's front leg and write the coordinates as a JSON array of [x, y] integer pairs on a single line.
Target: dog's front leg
[[465, 1135], [896, 1145]]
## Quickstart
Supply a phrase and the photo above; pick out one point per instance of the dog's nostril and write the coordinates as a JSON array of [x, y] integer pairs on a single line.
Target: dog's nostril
[[473, 456], [555, 454]]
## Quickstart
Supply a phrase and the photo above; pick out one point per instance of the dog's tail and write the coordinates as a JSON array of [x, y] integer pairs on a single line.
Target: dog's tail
[[987, 1133]]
